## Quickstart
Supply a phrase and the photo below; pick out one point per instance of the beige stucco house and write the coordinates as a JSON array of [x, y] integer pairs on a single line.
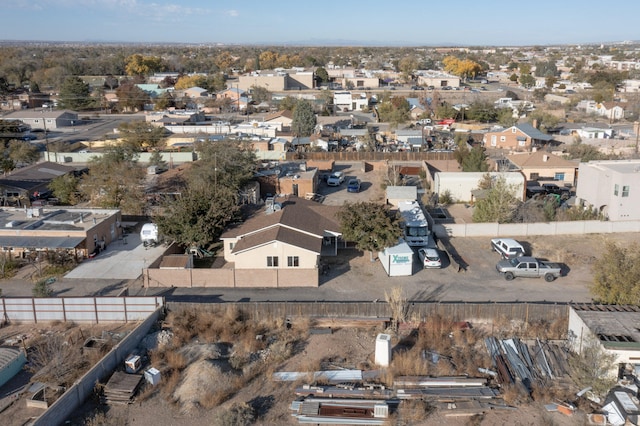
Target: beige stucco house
[[521, 137], [544, 166], [291, 235]]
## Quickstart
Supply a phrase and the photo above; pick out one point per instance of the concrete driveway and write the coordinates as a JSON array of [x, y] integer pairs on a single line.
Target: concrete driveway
[[122, 260]]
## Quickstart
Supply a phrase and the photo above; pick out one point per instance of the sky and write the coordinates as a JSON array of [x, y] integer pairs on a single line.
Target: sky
[[325, 22]]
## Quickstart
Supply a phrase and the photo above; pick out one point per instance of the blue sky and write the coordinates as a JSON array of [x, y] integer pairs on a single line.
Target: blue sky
[[372, 22]]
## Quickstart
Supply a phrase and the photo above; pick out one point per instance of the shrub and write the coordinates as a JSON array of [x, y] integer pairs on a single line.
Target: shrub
[[42, 289], [238, 415], [445, 198]]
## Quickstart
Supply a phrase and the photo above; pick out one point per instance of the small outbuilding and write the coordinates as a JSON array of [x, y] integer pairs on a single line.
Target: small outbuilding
[[397, 260]]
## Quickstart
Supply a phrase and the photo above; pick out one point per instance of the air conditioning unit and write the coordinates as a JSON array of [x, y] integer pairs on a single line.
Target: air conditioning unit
[[380, 411]]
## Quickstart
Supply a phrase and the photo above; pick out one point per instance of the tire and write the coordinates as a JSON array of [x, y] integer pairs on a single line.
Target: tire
[[509, 276], [549, 277]]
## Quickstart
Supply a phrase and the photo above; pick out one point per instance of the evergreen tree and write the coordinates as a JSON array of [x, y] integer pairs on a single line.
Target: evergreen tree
[[304, 119], [74, 94]]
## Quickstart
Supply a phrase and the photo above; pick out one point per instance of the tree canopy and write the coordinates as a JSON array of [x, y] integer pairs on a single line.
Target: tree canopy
[[74, 94], [115, 181], [141, 135], [369, 225], [209, 199], [304, 119], [140, 65], [498, 205], [616, 277], [461, 67]]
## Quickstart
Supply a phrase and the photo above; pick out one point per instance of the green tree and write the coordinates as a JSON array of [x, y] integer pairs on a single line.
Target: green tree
[[6, 165], [209, 201], [115, 180], [616, 275], [304, 119], [198, 216], [369, 225], [482, 111], [156, 160], [527, 80], [287, 103], [498, 205], [506, 118], [23, 152], [141, 135], [394, 109], [322, 76], [74, 94], [65, 188], [476, 161], [584, 152]]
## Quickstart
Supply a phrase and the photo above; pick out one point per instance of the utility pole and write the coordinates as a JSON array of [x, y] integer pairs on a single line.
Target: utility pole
[[46, 136]]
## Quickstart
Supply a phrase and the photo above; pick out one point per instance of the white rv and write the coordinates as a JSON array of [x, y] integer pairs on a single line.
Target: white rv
[[149, 234]]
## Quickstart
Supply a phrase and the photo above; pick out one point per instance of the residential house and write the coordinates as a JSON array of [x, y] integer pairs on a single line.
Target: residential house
[[77, 232], [292, 178], [521, 137], [612, 187], [610, 110], [283, 118], [415, 108], [45, 119], [346, 101], [238, 97], [544, 166], [195, 92], [614, 329], [289, 238], [25, 185], [153, 90], [594, 132]]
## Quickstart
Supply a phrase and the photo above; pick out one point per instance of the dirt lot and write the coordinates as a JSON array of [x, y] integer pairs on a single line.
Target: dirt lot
[[345, 348]]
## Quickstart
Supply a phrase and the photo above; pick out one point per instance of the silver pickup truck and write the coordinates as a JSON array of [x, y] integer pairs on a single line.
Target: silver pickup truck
[[526, 266]]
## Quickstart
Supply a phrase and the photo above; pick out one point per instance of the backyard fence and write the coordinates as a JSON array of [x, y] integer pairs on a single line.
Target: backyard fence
[[78, 309], [417, 311]]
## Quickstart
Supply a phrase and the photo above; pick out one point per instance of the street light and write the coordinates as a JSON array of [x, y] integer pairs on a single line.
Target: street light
[[46, 136]]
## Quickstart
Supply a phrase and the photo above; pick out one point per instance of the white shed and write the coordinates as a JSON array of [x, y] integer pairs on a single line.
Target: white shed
[[397, 260], [461, 184]]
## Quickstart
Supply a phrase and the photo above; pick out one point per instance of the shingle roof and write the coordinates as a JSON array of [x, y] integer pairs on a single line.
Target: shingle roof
[[533, 133], [300, 222], [537, 160]]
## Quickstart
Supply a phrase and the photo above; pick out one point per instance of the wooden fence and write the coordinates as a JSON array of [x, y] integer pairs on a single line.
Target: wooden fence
[[417, 311]]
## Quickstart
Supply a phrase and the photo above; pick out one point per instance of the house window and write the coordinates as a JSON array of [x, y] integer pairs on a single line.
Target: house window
[[272, 261], [513, 130], [559, 176], [534, 176], [522, 143], [293, 261], [616, 189], [231, 246], [625, 191], [494, 140], [503, 138]]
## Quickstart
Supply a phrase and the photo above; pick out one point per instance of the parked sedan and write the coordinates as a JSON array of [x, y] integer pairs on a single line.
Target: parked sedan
[[353, 185]]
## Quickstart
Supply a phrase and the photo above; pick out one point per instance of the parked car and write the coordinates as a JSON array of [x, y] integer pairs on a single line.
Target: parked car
[[531, 267], [335, 179], [430, 258], [507, 247], [353, 185]]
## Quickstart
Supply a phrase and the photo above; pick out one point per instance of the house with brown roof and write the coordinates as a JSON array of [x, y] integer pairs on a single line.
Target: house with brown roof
[[521, 137], [283, 118], [290, 236], [544, 166]]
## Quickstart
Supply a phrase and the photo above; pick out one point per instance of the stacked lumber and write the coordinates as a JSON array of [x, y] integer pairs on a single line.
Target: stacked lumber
[[121, 388]]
